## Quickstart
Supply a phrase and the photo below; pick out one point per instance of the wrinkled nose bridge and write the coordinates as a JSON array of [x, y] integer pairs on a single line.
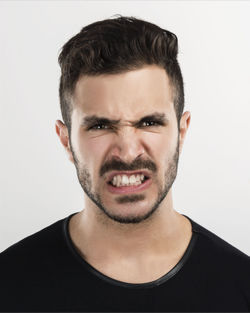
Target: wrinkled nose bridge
[[128, 142], [126, 129]]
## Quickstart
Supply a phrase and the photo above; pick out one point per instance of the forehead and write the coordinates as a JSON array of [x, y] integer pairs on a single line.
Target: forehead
[[127, 95]]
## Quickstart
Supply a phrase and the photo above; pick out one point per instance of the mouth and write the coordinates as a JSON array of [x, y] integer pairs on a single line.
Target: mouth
[[128, 182]]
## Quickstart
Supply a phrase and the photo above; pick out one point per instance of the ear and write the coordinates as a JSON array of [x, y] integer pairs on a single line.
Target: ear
[[184, 124], [62, 132]]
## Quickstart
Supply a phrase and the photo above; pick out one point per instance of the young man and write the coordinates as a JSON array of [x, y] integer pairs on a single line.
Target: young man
[[122, 101]]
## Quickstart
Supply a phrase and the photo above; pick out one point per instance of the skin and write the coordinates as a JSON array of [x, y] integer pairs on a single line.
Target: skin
[[134, 238]]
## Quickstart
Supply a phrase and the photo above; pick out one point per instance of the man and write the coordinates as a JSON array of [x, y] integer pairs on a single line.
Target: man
[[122, 101]]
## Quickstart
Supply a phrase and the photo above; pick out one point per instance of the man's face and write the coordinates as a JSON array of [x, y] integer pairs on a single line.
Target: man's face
[[105, 149]]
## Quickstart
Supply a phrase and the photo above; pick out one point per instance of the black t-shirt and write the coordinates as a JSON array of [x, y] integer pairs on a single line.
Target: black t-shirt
[[44, 272]]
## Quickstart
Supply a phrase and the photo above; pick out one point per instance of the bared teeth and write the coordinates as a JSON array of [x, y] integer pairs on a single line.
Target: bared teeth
[[124, 180]]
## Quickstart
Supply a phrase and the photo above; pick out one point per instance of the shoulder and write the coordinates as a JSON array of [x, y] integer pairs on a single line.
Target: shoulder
[[218, 253], [32, 268], [37, 246]]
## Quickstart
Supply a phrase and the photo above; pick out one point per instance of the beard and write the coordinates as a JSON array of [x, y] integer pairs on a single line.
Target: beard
[[85, 181]]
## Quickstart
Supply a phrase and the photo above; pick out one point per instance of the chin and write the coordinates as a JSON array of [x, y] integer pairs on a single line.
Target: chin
[[130, 213]]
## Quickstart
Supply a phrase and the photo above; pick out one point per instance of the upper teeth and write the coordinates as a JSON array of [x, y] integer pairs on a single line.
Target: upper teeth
[[124, 180]]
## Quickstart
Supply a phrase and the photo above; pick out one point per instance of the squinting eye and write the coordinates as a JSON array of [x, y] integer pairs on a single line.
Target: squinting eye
[[101, 126], [150, 122], [96, 127]]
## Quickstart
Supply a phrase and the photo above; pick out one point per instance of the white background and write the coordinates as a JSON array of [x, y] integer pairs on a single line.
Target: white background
[[38, 183]]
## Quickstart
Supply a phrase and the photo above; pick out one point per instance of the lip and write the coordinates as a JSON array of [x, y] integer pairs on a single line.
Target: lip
[[143, 172], [129, 189]]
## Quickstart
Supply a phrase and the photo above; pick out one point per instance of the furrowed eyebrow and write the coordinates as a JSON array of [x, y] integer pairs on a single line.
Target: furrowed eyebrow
[[158, 117], [94, 119]]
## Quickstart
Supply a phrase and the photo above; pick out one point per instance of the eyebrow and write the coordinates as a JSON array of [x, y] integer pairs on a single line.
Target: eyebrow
[[94, 119]]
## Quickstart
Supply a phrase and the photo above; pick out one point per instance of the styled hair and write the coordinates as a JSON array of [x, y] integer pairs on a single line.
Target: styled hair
[[115, 46]]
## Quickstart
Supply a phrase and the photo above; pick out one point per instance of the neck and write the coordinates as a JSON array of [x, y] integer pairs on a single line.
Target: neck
[[163, 234]]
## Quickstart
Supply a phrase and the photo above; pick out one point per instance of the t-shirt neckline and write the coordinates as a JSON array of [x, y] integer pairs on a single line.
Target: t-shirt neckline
[[116, 282]]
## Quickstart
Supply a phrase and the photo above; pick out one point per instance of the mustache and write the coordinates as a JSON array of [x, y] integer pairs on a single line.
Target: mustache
[[138, 164]]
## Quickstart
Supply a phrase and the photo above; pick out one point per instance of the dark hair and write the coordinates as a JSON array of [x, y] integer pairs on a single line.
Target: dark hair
[[114, 46]]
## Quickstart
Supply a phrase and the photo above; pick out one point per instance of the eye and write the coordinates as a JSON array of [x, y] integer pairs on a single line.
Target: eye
[[150, 122], [98, 127]]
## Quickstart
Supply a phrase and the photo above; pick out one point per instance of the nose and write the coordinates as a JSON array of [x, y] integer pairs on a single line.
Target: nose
[[128, 145]]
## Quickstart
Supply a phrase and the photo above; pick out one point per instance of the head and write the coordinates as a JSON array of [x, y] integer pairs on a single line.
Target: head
[[122, 100]]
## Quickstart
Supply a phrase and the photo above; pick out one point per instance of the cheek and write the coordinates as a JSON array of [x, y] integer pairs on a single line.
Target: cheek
[[94, 150], [91, 149], [96, 147], [162, 149], [161, 144]]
